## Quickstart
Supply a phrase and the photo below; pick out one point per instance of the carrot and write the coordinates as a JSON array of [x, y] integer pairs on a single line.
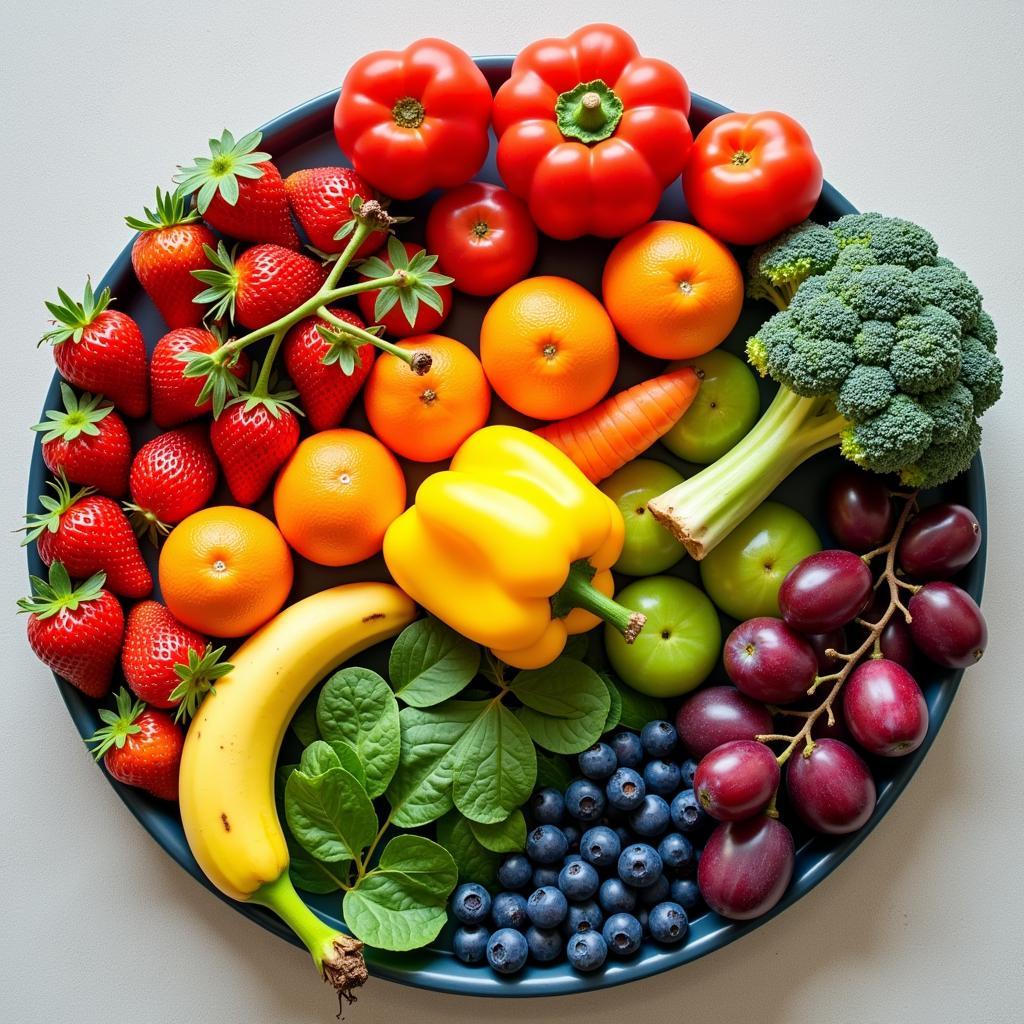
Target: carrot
[[604, 438]]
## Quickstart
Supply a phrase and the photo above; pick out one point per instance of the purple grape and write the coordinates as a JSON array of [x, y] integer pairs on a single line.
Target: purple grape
[[736, 780], [768, 661], [859, 511], [831, 789], [746, 867], [884, 708], [825, 591], [947, 625], [939, 542], [834, 640], [896, 642], [717, 715]]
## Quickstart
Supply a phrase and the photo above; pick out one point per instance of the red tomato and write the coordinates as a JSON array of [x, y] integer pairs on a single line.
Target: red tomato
[[751, 176], [394, 320], [483, 237]]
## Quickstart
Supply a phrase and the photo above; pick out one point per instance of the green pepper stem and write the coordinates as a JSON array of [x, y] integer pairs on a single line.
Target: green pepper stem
[[578, 591], [589, 114], [338, 956]]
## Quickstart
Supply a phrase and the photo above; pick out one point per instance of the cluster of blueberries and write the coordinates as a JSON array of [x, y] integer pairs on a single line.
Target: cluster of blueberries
[[608, 861]]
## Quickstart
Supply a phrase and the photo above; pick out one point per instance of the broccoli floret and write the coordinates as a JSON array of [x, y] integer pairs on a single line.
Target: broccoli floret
[[865, 392], [891, 440], [856, 257], [769, 350], [942, 462], [926, 355], [873, 343], [948, 287], [952, 411], [985, 331], [817, 366], [877, 292], [820, 314], [891, 239], [776, 269], [981, 373]]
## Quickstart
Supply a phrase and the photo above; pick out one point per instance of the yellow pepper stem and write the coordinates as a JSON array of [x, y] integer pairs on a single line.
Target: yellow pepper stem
[[578, 591]]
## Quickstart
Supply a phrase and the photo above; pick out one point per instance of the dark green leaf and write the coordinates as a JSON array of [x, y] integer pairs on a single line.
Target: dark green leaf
[[330, 815], [615, 708], [566, 705], [576, 646], [430, 662], [553, 770], [318, 759], [475, 862], [637, 708], [348, 756], [304, 722], [508, 836], [311, 874]]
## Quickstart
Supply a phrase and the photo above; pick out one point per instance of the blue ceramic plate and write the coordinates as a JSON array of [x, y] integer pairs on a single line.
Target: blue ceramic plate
[[301, 138]]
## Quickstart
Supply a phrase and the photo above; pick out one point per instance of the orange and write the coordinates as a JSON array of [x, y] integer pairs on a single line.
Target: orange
[[549, 348], [425, 418], [225, 571], [673, 290], [336, 496]]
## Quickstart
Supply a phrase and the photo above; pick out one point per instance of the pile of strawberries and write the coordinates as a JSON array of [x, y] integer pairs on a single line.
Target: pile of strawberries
[[105, 498]]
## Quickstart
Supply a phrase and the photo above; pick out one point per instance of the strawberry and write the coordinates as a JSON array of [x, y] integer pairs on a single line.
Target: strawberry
[[89, 534], [253, 438], [75, 631], [167, 664], [140, 747], [177, 398], [99, 349], [327, 374], [418, 306], [168, 249], [87, 442], [172, 476], [261, 286], [320, 198], [240, 192]]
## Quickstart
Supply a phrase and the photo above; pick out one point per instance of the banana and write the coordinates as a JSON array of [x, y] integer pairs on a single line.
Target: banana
[[226, 781]]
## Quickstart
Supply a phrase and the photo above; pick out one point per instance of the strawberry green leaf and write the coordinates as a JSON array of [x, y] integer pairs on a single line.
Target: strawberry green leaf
[[228, 161], [71, 317], [80, 416], [196, 679], [386, 299], [120, 725], [37, 523], [171, 209], [57, 593]]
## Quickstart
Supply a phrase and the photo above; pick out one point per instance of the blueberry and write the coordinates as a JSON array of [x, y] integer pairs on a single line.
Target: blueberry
[[677, 853], [598, 761], [507, 951], [515, 871], [642, 916], [668, 923], [687, 814], [582, 916], [626, 789], [587, 951], [687, 770], [572, 858], [547, 907], [622, 934], [660, 891], [658, 738], [572, 836], [508, 910], [578, 880], [639, 865], [615, 897], [545, 944], [600, 846], [547, 806], [471, 903], [544, 876], [546, 844], [629, 751], [652, 817], [584, 800], [625, 836], [661, 777], [470, 944], [685, 892]]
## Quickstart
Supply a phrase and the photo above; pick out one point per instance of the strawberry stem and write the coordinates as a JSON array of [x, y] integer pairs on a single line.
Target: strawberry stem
[[419, 361], [261, 389]]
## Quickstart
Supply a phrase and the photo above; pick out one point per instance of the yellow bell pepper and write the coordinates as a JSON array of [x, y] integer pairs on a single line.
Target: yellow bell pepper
[[512, 547]]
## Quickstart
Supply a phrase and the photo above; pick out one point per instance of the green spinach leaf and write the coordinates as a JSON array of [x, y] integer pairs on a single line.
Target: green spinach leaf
[[508, 836], [311, 874], [637, 708], [553, 771], [430, 662], [318, 759], [615, 708], [566, 705], [304, 722], [475, 862], [330, 815]]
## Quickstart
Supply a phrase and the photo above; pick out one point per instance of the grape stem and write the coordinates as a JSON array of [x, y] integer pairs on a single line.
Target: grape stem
[[851, 659]]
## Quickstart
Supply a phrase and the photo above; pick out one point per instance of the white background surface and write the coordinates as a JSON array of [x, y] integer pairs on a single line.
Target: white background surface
[[915, 108]]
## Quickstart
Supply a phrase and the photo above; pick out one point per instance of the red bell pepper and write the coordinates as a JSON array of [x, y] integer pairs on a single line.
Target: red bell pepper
[[590, 132], [414, 119]]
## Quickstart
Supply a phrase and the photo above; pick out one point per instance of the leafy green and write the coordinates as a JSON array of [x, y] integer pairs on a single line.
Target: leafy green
[[553, 770], [615, 708], [566, 705], [430, 662], [508, 836], [637, 708], [475, 862], [311, 874], [318, 759], [304, 722], [330, 814], [348, 756], [357, 705]]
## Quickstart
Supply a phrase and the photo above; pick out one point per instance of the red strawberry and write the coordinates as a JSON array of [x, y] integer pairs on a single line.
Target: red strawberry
[[100, 350], [140, 747], [89, 534], [177, 398], [328, 375], [167, 664], [164, 255], [253, 438], [320, 198], [240, 192], [75, 631], [87, 442], [262, 285], [172, 476], [428, 302]]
